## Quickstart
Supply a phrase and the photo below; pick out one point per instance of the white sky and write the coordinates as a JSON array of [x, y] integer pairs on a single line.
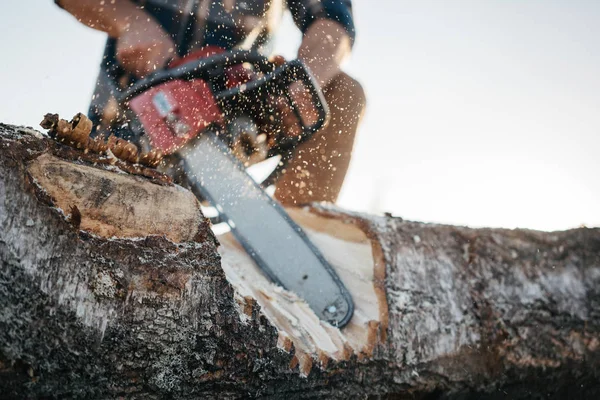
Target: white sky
[[481, 113]]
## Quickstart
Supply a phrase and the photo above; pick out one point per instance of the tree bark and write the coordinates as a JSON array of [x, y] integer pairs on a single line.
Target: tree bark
[[102, 296]]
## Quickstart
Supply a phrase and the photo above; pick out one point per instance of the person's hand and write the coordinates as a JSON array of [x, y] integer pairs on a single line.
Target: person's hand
[[144, 47], [303, 100]]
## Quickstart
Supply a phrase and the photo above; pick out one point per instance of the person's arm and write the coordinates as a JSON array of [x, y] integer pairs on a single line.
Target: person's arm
[[328, 35], [113, 18], [142, 44], [328, 29], [324, 47]]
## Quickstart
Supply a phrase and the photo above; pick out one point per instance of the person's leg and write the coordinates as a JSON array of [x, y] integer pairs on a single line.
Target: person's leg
[[317, 171]]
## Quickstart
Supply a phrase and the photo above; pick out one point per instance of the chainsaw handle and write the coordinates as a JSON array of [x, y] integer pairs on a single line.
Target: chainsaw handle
[[202, 69], [277, 83], [297, 67]]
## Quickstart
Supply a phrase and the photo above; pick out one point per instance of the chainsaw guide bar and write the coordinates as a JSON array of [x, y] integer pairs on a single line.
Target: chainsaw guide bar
[[268, 234]]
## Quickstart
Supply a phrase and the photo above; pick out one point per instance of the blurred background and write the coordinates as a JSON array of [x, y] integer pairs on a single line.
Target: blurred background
[[480, 113]]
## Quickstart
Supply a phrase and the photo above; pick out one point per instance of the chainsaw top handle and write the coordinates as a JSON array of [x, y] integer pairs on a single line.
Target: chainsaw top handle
[[275, 81]]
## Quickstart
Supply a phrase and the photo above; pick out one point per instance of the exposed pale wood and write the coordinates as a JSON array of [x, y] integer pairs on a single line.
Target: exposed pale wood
[[351, 254], [117, 204]]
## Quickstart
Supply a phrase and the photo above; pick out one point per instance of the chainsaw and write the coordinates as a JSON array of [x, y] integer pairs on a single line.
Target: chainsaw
[[213, 113]]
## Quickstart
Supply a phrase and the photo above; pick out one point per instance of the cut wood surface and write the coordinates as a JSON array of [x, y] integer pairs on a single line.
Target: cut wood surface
[[103, 299], [359, 264]]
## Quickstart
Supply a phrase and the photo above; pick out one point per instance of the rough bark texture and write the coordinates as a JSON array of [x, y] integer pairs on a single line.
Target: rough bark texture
[[471, 313]]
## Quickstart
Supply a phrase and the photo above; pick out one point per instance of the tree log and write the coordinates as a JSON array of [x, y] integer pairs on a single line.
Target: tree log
[[112, 284]]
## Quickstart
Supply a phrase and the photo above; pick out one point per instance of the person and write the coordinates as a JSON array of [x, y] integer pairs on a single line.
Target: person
[[142, 37]]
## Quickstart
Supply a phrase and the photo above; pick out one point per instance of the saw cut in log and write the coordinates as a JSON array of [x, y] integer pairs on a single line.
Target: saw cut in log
[[113, 285], [358, 261]]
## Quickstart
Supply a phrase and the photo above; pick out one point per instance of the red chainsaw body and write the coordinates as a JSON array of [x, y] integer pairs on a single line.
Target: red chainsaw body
[[174, 112]]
